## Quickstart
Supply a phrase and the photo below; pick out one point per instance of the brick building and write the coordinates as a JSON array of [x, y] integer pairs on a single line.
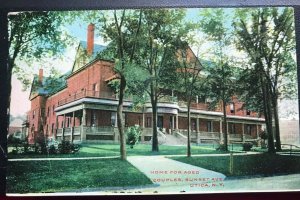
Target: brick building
[[81, 106]]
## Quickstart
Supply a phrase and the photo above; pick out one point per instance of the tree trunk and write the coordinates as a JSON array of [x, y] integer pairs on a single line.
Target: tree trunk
[[120, 119], [276, 120], [268, 115], [5, 98], [189, 129], [225, 126], [154, 122]]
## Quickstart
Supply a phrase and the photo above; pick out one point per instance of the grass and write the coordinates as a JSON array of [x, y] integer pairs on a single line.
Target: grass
[[247, 165], [55, 176], [103, 150]]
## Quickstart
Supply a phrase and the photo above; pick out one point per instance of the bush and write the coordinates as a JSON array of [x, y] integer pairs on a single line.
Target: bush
[[222, 147], [68, 147], [133, 133], [247, 146]]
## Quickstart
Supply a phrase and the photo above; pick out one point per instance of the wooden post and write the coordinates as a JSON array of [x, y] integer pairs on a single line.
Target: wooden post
[[56, 125], [177, 122], [63, 129], [83, 123], [72, 130], [143, 120], [257, 134], [243, 132]]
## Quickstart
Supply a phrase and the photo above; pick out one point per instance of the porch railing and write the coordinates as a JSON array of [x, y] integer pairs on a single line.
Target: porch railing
[[87, 93], [99, 130]]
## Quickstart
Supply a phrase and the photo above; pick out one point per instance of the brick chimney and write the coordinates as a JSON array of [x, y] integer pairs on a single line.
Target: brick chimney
[[41, 75], [90, 39]]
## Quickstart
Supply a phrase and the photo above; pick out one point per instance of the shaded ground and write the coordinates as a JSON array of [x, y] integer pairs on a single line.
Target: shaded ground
[[66, 175], [247, 165], [102, 150]]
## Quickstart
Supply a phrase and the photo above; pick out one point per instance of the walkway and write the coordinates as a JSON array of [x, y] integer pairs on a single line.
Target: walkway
[[168, 173]]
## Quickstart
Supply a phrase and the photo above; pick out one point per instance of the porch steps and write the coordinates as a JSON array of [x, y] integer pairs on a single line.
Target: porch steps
[[173, 140]]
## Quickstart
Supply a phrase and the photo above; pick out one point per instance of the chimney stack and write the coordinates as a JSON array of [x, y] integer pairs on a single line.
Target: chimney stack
[[41, 75], [90, 39]]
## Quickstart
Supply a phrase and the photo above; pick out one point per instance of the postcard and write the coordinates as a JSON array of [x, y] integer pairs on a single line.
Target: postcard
[[153, 101]]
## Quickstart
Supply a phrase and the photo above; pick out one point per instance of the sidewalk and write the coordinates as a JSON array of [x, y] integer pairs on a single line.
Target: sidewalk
[[167, 173]]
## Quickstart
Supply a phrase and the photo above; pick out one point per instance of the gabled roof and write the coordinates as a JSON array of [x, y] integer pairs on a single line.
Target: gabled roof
[[82, 53], [48, 86]]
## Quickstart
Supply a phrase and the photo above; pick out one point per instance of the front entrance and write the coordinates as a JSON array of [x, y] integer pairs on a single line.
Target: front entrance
[[160, 121]]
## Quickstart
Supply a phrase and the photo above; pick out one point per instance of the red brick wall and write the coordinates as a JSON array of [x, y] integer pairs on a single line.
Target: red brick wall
[[133, 119], [182, 123], [77, 83]]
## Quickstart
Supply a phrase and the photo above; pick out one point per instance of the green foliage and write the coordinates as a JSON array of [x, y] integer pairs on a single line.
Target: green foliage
[[32, 37], [66, 147], [133, 134], [247, 146]]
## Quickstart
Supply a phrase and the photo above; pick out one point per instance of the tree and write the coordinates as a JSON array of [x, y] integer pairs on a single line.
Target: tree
[[161, 31], [122, 29], [221, 76], [32, 35], [267, 36], [190, 82]]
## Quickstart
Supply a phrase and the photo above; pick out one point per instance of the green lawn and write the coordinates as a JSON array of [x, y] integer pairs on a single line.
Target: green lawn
[[90, 150], [244, 165], [66, 175]]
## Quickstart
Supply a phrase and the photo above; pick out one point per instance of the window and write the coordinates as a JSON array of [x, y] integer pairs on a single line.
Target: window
[[52, 128], [209, 126], [148, 122], [231, 128], [93, 118], [248, 112], [248, 129], [53, 107], [231, 107], [33, 114], [68, 122], [48, 111]]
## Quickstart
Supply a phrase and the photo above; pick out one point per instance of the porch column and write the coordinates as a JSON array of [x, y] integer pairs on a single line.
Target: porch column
[[83, 123], [63, 129], [243, 132], [221, 131], [177, 122], [173, 122], [116, 131], [56, 125], [228, 134], [143, 120], [198, 130], [116, 121], [72, 129], [257, 134]]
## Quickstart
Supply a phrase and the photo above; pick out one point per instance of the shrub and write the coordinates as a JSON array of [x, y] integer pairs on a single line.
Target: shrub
[[222, 147], [247, 146], [133, 133], [68, 147]]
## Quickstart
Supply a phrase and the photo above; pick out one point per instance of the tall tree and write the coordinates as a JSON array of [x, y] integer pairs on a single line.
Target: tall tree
[[213, 25], [189, 81], [161, 30], [122, 29], [267, 36]]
